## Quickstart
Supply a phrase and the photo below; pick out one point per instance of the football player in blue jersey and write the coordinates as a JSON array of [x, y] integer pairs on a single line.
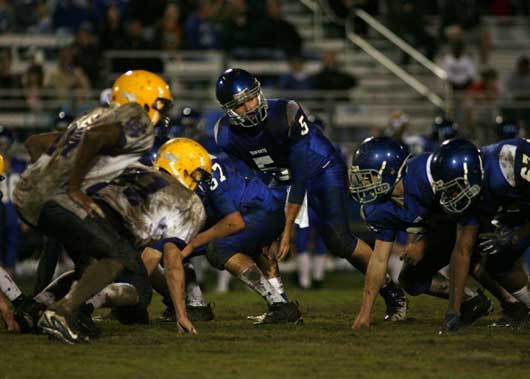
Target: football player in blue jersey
[[245, 217], [493, 185], [276, 137], [396, 195]]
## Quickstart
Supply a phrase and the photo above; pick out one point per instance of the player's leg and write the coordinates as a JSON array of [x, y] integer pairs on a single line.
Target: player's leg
[[303, 257], [319, 260], [105, 239]]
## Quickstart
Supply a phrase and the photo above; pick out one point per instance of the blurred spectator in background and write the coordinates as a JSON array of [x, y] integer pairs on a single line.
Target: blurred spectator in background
[[239, 32], [68, 15], [112, 34], [481, 105], [411, 26], [7, 16], [342, 8], [33, 83], [517, 83], [10, 224], [278, 33], [41, 20], [168, 31], [461, 70], [87, 54], [517, 89], [330, 77], [147, 12], [460, 22], [8, 80], [296, 79], [201, 29], [68, 80]]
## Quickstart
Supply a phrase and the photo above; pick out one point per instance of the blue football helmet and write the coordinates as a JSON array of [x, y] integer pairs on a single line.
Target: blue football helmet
[[506, 129], [377, 166], [457, 173], [234, 88], [443, 129]]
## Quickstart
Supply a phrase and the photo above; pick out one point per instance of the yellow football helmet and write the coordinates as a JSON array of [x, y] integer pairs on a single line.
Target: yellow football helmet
[[185, 160], [2, 167], [145, 88]]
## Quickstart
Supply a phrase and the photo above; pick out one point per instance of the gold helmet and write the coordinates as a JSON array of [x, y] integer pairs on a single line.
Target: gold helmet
[[2, 167], [145, 88], [185, 160]]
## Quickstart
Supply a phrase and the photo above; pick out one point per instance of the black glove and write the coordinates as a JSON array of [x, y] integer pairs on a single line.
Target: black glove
[[502, 239], [451, 323]]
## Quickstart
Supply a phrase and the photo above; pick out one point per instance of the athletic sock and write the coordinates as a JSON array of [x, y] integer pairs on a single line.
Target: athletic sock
[[255, 280]]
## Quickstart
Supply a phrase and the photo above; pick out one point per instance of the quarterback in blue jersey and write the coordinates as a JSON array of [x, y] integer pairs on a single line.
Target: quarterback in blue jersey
[[494, 185], [397, 195], [276, 137], [244, 218]]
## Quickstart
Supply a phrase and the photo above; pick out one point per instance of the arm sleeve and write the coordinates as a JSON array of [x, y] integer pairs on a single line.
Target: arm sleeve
[[299, 171]]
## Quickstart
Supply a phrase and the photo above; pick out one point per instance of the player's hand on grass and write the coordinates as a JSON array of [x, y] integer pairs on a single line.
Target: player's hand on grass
[[86, 203], [451, 323], [361, 322], [184, 325], [9, 319]]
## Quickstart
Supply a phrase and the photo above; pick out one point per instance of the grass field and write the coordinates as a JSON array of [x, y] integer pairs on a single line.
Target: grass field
[[324, 347]]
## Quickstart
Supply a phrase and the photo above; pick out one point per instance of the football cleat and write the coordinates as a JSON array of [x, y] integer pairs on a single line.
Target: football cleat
[[61, 327], [282, 313], [27, 315], [195, 313], [396, 302], [200, 313], [475, 308], [86, 323], [513, 314]]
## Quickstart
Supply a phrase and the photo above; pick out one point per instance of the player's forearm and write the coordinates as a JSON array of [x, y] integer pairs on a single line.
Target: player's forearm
[[175, 278], [230, 224], [459, 269], [37, 144], [291, 212], [375, 275]]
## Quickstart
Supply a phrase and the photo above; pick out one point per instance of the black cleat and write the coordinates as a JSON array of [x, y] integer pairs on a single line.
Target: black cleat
[[396, 302], [475, 308], [62, 327], [513, 315], [86, 324], [282, 313], [200, 313], [195, 313], [27, 314], [168, 315]]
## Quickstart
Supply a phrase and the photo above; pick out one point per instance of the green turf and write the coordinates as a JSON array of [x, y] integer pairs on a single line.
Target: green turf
[[324, 347]]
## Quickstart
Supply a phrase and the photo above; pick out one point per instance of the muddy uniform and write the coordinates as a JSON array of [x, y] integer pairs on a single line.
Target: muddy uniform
[[47, 179]]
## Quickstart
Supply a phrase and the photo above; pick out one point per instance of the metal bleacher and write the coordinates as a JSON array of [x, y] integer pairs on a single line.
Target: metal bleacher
[[193, 74]]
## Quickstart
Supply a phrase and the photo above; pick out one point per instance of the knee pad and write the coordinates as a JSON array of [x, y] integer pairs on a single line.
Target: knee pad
[[218, 258]]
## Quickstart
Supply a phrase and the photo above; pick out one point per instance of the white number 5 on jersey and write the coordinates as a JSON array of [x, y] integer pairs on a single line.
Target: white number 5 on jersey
[[304, 128]]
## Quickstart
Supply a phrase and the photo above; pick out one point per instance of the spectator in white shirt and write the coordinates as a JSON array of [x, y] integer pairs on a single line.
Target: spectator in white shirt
[[461, 70]]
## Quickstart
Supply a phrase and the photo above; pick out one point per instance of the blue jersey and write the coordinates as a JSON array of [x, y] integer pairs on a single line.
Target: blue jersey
[[285, 146], [235, 187], [411, 212], [506, 175]]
